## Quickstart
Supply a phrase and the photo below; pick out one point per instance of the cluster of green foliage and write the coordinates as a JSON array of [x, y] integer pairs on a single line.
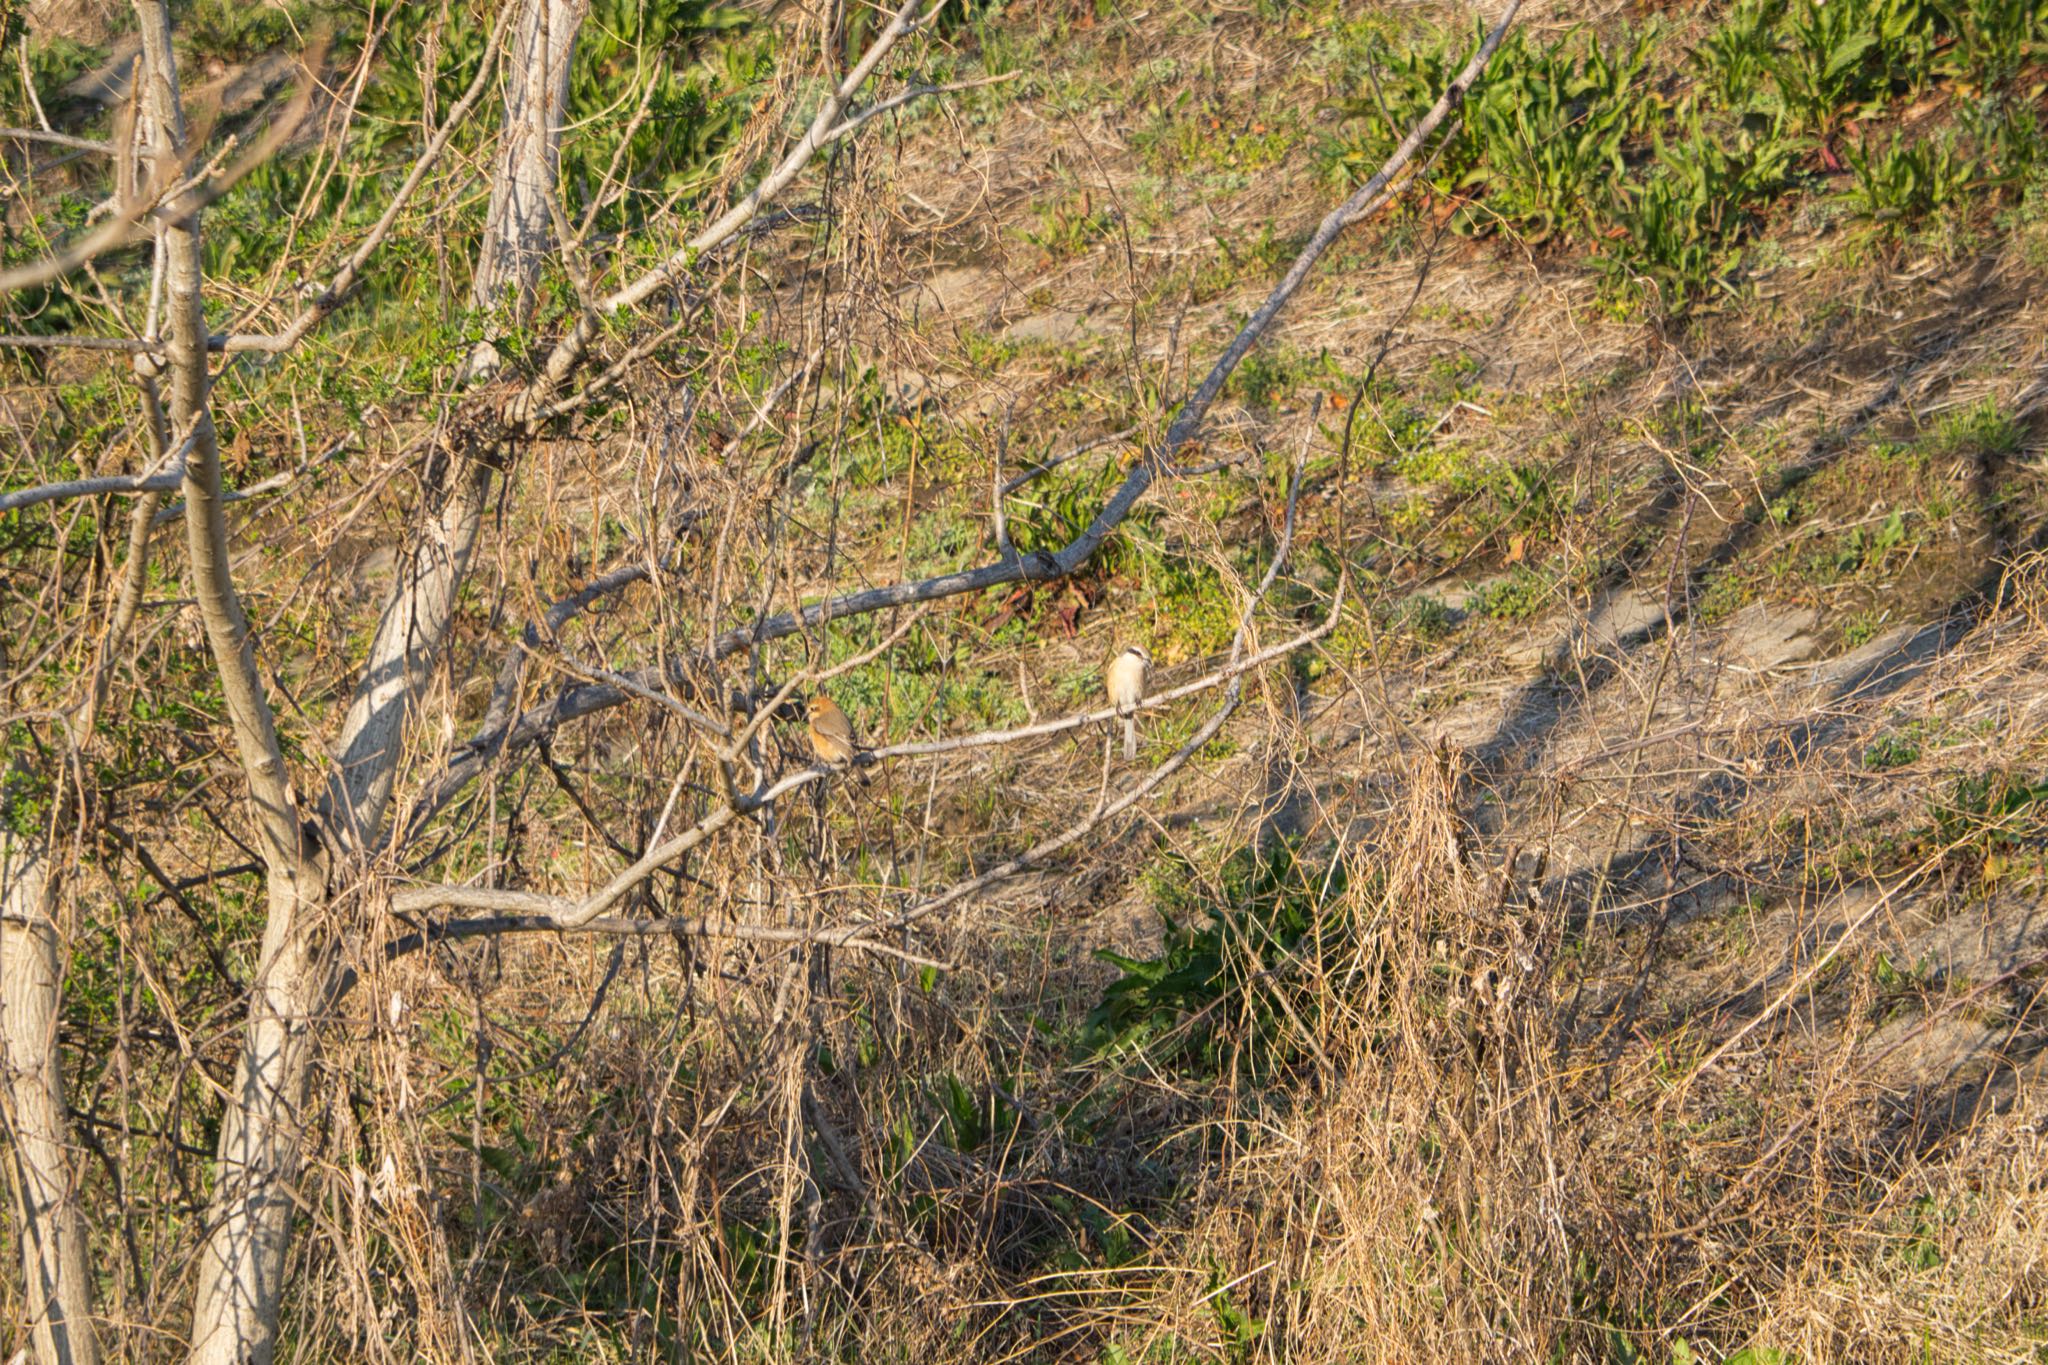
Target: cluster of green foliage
[[1065, 228], [689, 64], [1665, 161], [1225, 978], [1990, 811]]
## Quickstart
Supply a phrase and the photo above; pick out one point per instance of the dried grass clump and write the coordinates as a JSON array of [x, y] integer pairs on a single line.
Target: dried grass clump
[[1454, 1176]]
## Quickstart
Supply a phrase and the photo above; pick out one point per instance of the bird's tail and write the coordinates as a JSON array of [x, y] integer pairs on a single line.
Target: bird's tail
[[1130, 739]]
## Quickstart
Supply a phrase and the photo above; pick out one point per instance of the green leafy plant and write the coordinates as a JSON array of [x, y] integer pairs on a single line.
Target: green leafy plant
[[1995, 39], [1069, 227], [1680, 229], [425, 46], [1220, 981], [1389, 96], [631, 51], [1834, 57], [1239, 1329], [1732, 61], [1864, 547], [50, 63], [1983, 428], [1270, 373], [1551, 128], [229, 31], [1893, 750], [1543, 132], [1901, 184], [1522, 594], [1051, 512], [1991, 811]]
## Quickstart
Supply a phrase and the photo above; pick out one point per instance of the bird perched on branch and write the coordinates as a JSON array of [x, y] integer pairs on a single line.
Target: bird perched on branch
[[1124, 680], [832, 737]]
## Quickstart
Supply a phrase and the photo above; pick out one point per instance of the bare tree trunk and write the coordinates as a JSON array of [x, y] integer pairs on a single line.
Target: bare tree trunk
[[241, 1268], [519, 228], [56, 1277], [409, 637], [241, 1264]]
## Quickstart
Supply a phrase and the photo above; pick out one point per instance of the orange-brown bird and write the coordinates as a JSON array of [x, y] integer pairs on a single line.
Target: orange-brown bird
[[832, 737]]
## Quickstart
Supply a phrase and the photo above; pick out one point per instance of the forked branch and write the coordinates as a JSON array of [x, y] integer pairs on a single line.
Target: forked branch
[[522, 908], [509, 735]]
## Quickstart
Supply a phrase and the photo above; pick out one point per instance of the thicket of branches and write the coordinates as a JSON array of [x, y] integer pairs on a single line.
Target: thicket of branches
[[254, 808]]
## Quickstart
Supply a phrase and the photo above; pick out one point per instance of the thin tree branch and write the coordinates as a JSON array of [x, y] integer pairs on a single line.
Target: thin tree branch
[[82, 144], [854, 122], [275, 483], [544, 920], [160, 482], [820, 132], [576, 702], [69, 341], [1047, 466], [163, 481]]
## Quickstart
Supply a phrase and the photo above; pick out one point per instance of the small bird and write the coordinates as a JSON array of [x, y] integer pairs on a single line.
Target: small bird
[[1124, 680], [832, 738]]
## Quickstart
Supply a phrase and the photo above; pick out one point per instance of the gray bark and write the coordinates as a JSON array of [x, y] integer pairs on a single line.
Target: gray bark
[[409, 637], [241, 1262], [242, 1265], [519, 227], [56, 1275]]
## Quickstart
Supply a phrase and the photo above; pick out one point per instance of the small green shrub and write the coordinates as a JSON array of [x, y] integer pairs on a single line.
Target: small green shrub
[[51, 63], [1224, 981], [1907, 180], [1681, 228], [1523, 594], [1866, 547], [1049, 513], [1270, 374]]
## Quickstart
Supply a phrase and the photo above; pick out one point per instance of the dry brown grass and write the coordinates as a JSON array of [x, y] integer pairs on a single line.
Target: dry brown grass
[[1649, 1011]]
